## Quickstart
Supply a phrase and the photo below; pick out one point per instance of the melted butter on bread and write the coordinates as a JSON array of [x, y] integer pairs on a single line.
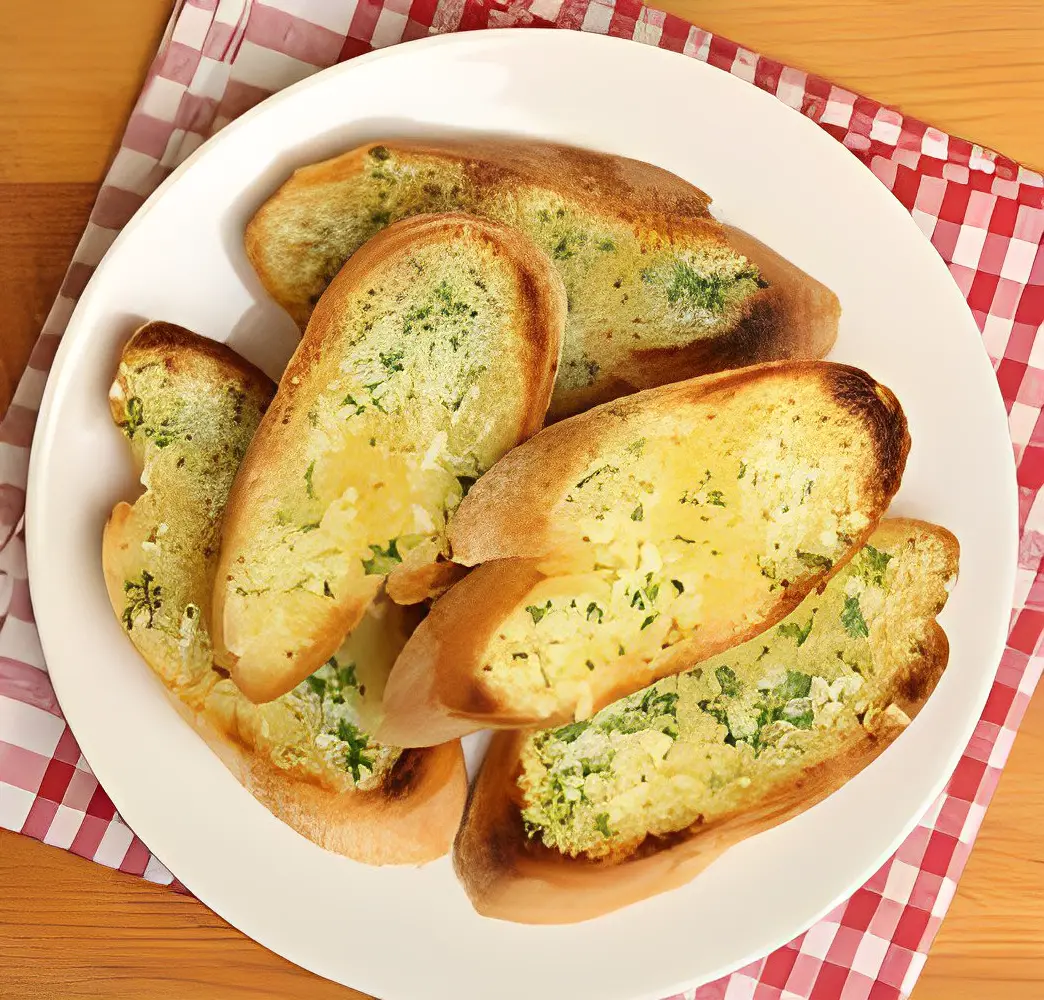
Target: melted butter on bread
[[720, 736]]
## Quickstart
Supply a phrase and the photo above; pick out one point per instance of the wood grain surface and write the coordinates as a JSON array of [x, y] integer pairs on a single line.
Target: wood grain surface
[[70, 73]]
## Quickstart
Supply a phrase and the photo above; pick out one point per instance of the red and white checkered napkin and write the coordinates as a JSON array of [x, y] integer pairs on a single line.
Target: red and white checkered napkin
[[982, 212]]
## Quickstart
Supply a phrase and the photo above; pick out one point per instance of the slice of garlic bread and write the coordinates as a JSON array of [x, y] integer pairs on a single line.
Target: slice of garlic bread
[[189, 407], [569, 823], [623, 544], [431, 355], [658, 290]]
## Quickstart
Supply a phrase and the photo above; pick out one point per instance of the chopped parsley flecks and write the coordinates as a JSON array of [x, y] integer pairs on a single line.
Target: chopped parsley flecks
[[745, 713], [353, 405], [383, 560], [356, 744], [135, 416], [769, 569], [688, 288], [333, 679], [391, 361], [813, 560], [570, 732], [567, 246], [309, 487], [638, 514], [449, 305], [796, 631], [594, 475], [728, 680], [852, 619], [538, 611], [376, 401], [144, 597], [872, 564]]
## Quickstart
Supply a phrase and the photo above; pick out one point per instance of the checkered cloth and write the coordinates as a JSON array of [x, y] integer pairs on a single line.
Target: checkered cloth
[[982, 212]]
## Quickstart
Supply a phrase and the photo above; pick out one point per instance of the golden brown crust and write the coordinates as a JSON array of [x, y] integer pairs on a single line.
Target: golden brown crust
[[510, 877], [879, 410], [415, 586], [186, 358], [409, 820], [181, 350], [792, 317], [424, 706], [506, 513], [536, 341]]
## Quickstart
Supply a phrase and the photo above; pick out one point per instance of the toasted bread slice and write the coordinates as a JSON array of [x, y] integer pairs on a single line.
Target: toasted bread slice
[[658, 290], [627, 542], [567, 824], [432, 353], [189, 407]]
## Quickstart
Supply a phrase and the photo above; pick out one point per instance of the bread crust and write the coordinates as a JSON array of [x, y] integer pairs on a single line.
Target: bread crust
[[506, 524], [424, 583], [412, 816], [536, 339], [410, 819], [791, 316], [510, 877], [181, 351]]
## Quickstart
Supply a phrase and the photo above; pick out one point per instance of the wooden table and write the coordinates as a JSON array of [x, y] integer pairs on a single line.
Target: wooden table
[[70, 72]]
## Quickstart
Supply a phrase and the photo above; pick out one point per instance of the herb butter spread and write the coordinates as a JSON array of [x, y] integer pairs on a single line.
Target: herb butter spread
[[321, 729], [694, 747], [768, 497]]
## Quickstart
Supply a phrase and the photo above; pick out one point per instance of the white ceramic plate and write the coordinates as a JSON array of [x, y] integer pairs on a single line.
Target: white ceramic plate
[[409, 933]]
